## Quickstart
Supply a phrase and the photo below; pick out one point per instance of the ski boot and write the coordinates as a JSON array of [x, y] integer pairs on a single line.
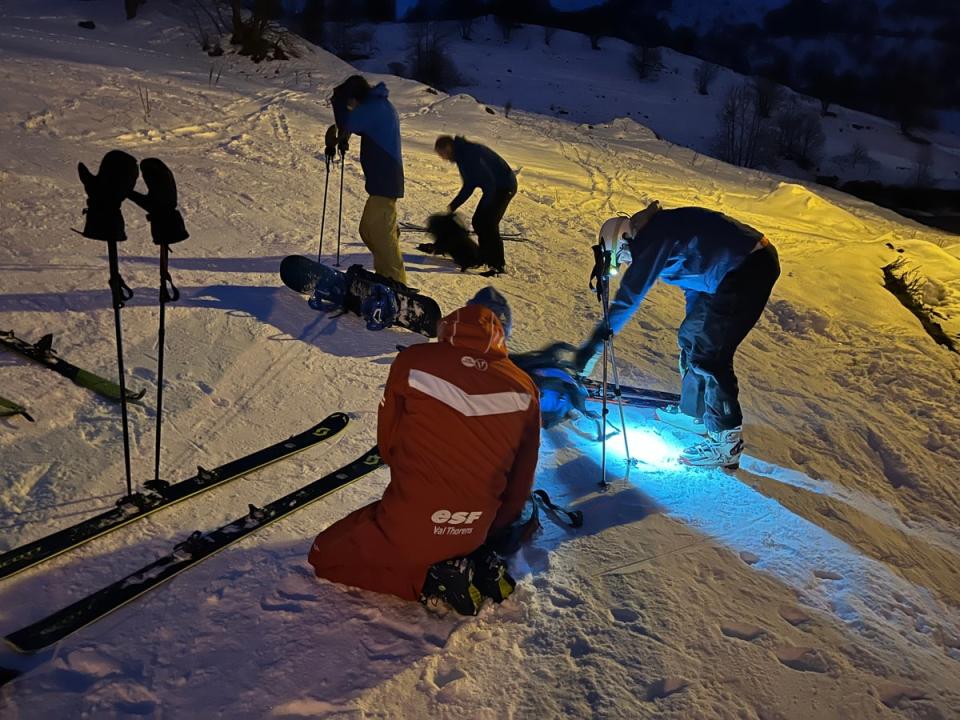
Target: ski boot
[[720, 449], [491, 577], [673, 416], [452, 582]]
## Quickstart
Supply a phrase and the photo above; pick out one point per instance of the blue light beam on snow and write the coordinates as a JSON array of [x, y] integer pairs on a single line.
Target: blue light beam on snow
[[829, 573], [647, 446]]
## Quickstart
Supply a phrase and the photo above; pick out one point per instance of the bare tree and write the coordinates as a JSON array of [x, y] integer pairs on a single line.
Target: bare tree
[[506, 23], [924, 174], [428, 60], [800, 135], [130, 7], [742, 139], [349, 40], [645, 61], [859, 154], [704, 74], [769, 96]]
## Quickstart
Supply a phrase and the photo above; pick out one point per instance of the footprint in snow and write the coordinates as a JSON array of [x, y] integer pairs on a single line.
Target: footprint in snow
[[794, 616], [741, 631], [443, 677], [563, 598], [580, 647], [892, 694], [665, 687], [801, 658], [827, 575], [624, 615]]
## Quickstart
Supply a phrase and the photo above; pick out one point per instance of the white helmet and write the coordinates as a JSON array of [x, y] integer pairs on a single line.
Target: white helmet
[[616, 235]]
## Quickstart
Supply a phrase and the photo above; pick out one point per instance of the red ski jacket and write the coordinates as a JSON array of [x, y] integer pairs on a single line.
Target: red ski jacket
[[459, 426]]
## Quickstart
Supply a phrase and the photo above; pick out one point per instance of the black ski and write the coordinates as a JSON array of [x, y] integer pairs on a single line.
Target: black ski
[[161, 495], [42, 352], [196, 548], [631, 395]]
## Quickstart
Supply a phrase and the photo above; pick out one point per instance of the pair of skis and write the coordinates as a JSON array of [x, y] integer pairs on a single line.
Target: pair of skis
[[194, 549]]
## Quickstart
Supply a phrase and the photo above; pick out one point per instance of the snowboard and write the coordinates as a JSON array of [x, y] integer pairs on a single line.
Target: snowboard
[[348, 290]]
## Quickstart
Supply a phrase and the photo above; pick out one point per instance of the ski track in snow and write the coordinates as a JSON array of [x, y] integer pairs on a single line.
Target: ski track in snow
[[821, 580]]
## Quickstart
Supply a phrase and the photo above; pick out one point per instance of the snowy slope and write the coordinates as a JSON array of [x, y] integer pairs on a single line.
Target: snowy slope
[[570, 80], [819, 581]]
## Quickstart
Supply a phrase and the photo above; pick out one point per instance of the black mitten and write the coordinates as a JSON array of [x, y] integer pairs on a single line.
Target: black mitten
[[160, 202], [106, 191]]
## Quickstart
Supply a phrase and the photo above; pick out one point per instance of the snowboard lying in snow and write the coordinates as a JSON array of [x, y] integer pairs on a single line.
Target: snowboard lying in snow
[[382, 302]]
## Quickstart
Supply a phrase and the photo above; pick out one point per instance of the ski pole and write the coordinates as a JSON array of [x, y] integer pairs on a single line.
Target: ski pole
[[106, 191], [120, 293], [168, 293], [323, 214], [166, 228], [329, 150], [340, 211]]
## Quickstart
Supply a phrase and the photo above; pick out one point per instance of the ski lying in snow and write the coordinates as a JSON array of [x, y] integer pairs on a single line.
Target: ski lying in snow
[[641, 397], [158, 496], [407, 227], [194, 549], [8, 408], [42, 352]]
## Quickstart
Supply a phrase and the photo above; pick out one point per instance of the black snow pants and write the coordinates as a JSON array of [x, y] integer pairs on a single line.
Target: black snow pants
[[709, 335], [486, 222]]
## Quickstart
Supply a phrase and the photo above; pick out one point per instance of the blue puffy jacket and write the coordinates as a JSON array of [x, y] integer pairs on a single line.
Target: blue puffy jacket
[[692, 248], [376, 121], [480, 167]]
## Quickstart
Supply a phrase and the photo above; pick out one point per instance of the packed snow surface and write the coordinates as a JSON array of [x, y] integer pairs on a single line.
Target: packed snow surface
[[821, 580]]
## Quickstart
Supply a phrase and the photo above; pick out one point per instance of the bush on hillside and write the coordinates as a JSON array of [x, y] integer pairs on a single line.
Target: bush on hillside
[[428, 61]]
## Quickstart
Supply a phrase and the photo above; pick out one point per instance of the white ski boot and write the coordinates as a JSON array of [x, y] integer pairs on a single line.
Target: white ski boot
[[672, 415], [719, 449]]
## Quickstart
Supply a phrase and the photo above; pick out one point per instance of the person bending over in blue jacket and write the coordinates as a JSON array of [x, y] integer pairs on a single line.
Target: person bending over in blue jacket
[[480, 167], [727, 271], [367, 111]]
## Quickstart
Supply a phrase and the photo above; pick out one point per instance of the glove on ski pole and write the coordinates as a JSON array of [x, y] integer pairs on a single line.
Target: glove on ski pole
[[167, 228], [105, 192]]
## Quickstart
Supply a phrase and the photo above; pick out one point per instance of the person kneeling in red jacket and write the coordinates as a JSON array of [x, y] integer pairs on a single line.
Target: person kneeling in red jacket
[[459, 426]]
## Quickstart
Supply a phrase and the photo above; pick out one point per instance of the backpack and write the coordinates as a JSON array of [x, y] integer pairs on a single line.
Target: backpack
[[560, 390]]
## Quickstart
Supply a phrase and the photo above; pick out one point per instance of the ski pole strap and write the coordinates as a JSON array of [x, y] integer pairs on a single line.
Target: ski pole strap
[[120, 290], [168, 291], [574, 517]]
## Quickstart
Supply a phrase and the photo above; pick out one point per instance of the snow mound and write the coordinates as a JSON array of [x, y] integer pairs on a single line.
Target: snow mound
[[803, 206]]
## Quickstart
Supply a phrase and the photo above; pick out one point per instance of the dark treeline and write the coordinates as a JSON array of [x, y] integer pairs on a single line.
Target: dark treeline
[[899, 61]]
